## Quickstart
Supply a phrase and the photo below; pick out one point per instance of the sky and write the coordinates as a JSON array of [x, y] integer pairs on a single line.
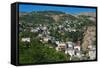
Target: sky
[[71, 10]]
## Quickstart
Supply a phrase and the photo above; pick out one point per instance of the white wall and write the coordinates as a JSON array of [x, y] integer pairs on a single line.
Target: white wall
[[5, 33]]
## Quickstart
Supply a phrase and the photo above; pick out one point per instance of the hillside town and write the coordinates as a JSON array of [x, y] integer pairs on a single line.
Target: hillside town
[[56, 36], [74, 49]]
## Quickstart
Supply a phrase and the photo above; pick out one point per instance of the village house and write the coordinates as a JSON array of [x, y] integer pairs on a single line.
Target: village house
[[69, 48], [73, 49], [57, 42], [70, 51], [70, 44], [34, 30], [90, 46], [40, 35], [92, 54], [77, 53], [25, 39], [45, 39], [77, 49], [61, 46], [44, 28], [77, 45], [26, 42], [38, 28]]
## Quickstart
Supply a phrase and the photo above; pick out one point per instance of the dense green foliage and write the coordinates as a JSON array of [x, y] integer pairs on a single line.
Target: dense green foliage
[[39, 53]]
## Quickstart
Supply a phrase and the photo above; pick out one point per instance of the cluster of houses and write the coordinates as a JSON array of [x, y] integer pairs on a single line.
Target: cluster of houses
[[68, 47], [73, 49]]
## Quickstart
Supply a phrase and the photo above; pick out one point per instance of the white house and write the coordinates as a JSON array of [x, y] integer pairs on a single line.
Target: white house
[[61, 46], [44, 28], [45, 39], [70, 52], [77, 47], [70, 44], [77, 53], [60, 26], [90, 46], [57, 42], [33, 30], [25, 39], [39, 35], [92, 54]]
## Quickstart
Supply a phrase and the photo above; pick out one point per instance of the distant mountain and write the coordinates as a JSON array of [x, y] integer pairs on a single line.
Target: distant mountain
[[46, 17], [49, 12], [41, 12], [92, 14]]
